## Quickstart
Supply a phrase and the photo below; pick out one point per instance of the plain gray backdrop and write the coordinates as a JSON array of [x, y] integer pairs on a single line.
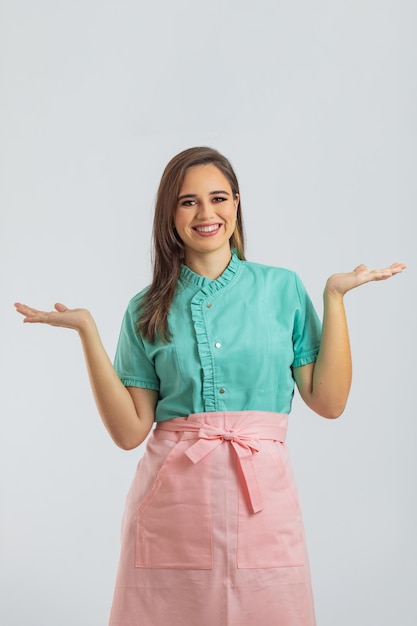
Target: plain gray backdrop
[[315, 105]]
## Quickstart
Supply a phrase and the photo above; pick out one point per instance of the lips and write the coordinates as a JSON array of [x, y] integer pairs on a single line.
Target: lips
[[207, 229]]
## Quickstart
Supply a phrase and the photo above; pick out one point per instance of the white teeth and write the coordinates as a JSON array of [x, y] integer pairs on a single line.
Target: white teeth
[[207, 229]]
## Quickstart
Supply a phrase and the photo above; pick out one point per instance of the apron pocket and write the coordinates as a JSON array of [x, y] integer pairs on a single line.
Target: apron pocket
[[173, 522], [273, 537]]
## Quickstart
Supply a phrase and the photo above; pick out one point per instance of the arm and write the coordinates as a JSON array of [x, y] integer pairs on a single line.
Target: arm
[[127, 412], [324, 385]]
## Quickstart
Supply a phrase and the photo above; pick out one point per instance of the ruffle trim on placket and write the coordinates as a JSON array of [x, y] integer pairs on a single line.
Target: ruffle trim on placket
[[209, 288]]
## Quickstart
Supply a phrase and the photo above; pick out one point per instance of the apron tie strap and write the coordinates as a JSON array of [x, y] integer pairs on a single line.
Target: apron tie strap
[[245, 447]]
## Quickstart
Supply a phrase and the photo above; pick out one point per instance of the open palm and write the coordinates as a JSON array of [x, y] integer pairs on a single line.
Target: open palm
[[344, 282], [61, 316]]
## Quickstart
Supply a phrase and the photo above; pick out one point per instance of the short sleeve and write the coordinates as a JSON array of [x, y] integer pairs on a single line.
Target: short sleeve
[[131, 362], [307, 329]]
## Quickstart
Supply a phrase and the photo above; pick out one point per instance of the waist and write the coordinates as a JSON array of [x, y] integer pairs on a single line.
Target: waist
[[257, 424], [242, 430]]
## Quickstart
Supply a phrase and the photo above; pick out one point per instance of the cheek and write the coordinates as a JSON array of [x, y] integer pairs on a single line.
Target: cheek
[[181, 221], [178, 222], [233, 216]]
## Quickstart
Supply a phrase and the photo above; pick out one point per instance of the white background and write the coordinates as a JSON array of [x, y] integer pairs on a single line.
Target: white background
[[315, 105]]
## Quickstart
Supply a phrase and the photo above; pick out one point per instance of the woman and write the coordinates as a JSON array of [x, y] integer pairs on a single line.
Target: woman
[[212, 533]]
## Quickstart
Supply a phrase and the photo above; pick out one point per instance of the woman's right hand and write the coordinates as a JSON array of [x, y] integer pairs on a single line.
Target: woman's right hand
[[78, 319], [128, 417]]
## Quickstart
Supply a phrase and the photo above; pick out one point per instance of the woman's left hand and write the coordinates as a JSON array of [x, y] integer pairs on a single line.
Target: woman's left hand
[[339, 284]]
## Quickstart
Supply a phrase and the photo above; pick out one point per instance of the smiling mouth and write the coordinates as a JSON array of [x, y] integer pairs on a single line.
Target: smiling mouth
[[207, 230]]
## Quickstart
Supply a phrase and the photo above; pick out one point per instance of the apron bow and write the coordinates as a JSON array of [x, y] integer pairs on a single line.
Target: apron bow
[[245, 448]]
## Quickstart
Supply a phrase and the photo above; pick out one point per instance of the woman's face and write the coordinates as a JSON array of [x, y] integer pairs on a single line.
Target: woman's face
[[205, 216]]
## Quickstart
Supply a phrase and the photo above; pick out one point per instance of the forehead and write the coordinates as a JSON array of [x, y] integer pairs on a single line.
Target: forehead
[[205, 177]]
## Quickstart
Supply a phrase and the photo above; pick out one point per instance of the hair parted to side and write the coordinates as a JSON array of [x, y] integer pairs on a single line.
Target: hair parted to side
[[168, 249]]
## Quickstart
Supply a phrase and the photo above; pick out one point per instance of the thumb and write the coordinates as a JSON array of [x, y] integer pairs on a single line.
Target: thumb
[[61, 308]]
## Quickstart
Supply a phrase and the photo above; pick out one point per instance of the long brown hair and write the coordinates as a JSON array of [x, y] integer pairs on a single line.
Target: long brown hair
[[168, 249]]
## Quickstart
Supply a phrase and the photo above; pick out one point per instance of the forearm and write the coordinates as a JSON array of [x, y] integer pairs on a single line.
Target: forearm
[[113, 400], [332, 374]]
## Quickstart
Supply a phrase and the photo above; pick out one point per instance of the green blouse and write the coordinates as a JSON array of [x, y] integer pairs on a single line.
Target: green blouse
[[234, 342]]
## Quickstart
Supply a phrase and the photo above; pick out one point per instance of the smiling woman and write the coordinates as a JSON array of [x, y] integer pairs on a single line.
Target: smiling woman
[[205, 219], [169, 249], [211, 351]]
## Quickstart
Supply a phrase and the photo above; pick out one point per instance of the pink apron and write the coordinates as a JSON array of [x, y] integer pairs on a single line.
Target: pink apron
[[212, 533]]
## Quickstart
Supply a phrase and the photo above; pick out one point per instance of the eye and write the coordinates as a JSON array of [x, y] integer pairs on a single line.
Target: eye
[[219, 199], [188, 202]]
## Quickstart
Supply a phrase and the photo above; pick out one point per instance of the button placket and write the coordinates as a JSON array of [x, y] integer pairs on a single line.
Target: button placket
[[207, 329]]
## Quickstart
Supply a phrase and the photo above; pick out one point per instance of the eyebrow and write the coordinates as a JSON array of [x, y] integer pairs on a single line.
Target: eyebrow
[[194, 195]]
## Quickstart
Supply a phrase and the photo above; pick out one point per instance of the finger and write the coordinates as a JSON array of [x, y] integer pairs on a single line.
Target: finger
[[368, 275], [34, 316], [21, 307], [60, 307], [388, 272], [41, 317], [398, 267], [24, 309]]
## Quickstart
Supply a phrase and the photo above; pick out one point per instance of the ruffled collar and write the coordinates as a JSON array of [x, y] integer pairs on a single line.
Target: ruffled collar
[[188, 277]]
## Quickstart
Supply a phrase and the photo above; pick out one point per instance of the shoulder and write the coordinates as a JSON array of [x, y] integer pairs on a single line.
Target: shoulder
[[135, 302], [268, 272], [262, 279], [136, 299]]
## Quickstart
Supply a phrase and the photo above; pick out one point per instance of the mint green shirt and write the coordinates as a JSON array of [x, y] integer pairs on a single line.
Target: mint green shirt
[[235, 341]]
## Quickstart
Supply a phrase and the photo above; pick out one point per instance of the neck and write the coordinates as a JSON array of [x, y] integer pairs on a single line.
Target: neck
[[208, 265]]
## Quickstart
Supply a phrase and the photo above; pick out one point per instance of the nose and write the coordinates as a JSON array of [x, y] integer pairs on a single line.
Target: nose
[[204, 210]]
